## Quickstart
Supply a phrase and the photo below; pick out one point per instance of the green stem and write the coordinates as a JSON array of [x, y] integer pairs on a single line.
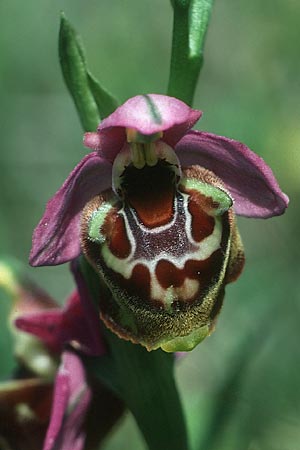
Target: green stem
[[191, 18]]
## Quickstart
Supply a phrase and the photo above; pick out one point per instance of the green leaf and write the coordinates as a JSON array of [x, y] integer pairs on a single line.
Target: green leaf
[[190, 24], [91, 100], [144, 381], [106, 103], [74, 71]]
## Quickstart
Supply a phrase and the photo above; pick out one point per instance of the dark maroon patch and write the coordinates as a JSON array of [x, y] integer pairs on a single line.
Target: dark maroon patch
[[202, 223], [169, 275], [116, 233], [139, 282], [205, 271]]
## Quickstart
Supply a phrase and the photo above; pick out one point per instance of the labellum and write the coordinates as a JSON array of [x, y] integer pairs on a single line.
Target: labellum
[[165, 244]]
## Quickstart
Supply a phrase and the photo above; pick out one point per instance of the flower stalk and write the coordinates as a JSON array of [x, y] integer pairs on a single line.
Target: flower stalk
[[190, 22]]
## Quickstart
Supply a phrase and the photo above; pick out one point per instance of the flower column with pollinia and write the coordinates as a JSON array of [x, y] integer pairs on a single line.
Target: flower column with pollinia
[[153, 209]]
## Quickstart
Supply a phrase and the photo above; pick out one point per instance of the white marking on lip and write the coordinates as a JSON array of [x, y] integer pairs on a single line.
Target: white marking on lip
[[125, 266], [184, 292]]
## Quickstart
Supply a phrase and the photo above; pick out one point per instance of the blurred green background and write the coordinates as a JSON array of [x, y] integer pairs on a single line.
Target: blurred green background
[[240, 388]]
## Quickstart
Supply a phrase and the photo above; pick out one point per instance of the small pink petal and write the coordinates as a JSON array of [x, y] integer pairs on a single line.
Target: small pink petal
[[56, 238], [92, 140], [248, 178], [83, 326], [92, 328], [30, 299], [72, 324], [47, 326], [72, 398]]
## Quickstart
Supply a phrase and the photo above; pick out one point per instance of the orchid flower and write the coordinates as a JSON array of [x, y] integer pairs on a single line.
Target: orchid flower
[[153, 209], [51, 404]]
